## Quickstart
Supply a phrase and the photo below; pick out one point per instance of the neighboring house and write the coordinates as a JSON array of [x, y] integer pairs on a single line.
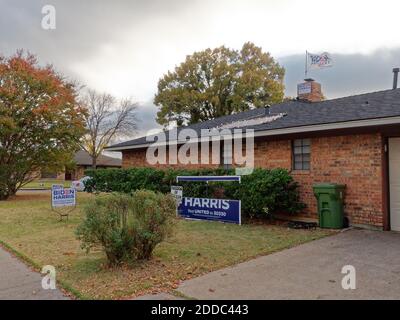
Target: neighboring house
[[83, 161], [353, 140]]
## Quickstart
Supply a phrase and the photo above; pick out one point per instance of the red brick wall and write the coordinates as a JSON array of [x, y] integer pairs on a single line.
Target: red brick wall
[[134, 158], [137, 158], [351, 160], [354, 160]]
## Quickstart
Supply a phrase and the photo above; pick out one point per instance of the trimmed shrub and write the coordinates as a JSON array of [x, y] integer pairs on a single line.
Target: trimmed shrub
[[128, 180], [264, 192], [127, 226]]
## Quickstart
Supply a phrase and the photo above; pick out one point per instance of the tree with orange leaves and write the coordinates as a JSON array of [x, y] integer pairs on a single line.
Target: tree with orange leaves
[[40, 121]]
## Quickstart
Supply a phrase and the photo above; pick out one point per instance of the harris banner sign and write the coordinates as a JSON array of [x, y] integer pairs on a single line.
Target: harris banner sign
[[210, 209]]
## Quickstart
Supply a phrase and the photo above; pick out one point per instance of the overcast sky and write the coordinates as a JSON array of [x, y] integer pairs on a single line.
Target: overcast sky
[[124, 47]]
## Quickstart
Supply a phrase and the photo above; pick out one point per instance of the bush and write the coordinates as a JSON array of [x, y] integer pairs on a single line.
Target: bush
[[264, 192], [128, 180], [127, 226], [154, 213]]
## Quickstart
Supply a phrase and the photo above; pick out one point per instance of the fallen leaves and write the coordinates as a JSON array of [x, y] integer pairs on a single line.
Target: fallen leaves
[[195, 249]]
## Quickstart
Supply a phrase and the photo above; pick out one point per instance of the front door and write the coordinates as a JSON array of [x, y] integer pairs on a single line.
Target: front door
[[68, 175], [394, 183]]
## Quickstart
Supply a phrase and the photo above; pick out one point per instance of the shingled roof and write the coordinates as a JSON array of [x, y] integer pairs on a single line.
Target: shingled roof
[[300, 114], [82, 158]]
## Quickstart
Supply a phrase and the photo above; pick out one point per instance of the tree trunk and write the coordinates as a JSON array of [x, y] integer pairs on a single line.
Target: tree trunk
[[7, 192], [3, 196], [12, 190], [94, 162]]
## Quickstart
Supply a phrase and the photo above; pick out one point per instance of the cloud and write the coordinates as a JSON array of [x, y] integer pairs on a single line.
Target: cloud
[[147, 118], [350, 74], [83, 30], [124, 47]]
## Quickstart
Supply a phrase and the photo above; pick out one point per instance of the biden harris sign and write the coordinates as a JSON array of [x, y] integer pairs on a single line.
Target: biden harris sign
[[210, 209], [63, 197]]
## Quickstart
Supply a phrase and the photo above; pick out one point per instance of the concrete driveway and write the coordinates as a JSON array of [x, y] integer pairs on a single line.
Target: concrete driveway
[[311, 271]]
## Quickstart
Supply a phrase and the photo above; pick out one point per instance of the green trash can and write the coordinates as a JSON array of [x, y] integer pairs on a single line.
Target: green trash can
[[330, 204]]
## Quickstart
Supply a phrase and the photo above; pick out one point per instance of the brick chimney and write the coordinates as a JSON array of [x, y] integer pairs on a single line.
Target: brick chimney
[[309, 91]]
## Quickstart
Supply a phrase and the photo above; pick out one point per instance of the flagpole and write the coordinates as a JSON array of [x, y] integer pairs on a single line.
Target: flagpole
[[305, 69]]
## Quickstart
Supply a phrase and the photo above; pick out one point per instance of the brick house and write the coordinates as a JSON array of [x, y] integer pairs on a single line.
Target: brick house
[[83, 161], [353, 140]]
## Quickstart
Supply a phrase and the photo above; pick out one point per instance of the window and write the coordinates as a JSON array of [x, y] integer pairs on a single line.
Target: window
[[301, 154]]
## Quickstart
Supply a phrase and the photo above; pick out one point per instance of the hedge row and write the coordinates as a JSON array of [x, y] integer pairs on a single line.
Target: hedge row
[[263, 192]]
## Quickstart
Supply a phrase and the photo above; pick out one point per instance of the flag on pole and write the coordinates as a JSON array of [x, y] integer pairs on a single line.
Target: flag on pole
[[318, 61]]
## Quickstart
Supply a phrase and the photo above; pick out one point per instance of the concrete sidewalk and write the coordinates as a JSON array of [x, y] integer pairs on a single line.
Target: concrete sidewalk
[[18, 282], [311, 271]]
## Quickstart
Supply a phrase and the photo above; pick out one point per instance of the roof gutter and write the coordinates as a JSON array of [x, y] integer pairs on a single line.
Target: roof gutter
[[284, 131]]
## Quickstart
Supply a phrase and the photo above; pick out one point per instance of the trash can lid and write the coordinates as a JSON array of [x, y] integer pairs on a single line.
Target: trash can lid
[[329, 186]]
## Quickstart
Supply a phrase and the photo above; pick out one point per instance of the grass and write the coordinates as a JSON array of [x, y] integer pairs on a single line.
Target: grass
[[46, 184], [34, 232]]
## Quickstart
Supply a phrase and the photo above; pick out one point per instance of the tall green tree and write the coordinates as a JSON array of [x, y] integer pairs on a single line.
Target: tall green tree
[[40, 122], [218, 82]]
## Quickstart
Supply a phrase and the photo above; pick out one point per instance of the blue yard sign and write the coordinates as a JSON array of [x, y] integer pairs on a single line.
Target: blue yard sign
[[222, 210], [210, 209]]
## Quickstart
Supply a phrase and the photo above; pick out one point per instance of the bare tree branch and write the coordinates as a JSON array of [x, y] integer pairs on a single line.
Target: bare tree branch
[[106, 119]]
